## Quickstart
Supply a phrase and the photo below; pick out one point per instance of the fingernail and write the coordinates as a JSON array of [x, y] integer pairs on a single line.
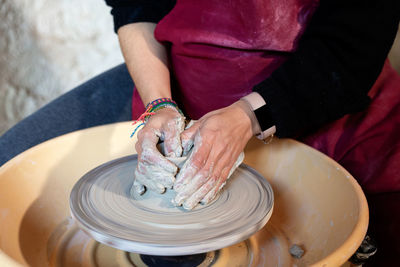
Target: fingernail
[[222, 185], [174, 203], [167, 181], [209, 196], [160, 188], [162, 191], [140, 189], [188, 205], [179, 199]]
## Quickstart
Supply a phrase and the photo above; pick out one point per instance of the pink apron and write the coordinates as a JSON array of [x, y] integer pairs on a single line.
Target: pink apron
[[367, 144], [220, 49]]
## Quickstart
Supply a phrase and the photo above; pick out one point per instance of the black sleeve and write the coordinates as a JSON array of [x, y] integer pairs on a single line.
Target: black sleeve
[[126, 11], [338, 59]]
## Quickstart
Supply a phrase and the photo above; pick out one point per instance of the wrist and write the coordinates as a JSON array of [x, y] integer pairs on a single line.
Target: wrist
[[247, 109], [265, 127], [162, 103], [153, 97], [153, 107]]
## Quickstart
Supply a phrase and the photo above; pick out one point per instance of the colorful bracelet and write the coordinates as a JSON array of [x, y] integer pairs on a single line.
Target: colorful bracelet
[[161, 100], [162, 103], [152, 108]]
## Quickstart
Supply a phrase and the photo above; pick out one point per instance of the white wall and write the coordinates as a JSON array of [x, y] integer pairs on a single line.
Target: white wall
[[47, 47]]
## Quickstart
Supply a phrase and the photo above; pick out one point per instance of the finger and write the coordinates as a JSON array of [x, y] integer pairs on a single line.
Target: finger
[[218, 158], [138, 187], [148, 140], [148, 134], [150, 184], [237, 163], [195, 183], [179, 162], [188, 136], [143, 134], [194, 199], [209, 196], [190, 124], [152, 157], [187, 145], [225, 175], [227, 162], [187, 171], [156, 174], [138, 148], [196, 161], [162, 177], [218, 186], [172, 138]]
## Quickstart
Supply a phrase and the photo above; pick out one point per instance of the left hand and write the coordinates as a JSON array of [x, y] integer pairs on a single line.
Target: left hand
[[154, 171], [218, 139]]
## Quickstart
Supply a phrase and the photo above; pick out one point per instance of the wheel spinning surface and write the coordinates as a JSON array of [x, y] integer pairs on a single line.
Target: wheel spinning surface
[[102, 205]]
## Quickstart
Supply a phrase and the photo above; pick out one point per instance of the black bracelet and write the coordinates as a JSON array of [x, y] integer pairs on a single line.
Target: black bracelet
[[264, 118]]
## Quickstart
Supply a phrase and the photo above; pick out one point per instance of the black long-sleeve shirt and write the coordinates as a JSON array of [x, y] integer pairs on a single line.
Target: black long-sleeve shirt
[[339, 57], [131, 11]]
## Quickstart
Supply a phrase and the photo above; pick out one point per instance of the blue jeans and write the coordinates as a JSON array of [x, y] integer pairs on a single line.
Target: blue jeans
[[104, 99]]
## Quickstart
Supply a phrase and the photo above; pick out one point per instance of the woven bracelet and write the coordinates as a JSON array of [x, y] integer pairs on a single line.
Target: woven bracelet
[[159, 101], [152, 108]]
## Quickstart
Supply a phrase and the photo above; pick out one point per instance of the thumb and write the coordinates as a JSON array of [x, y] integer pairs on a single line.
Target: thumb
[[172, 138], [187, 136]]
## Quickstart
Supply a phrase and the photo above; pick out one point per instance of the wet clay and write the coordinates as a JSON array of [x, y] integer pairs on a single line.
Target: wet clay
[[104, 207]]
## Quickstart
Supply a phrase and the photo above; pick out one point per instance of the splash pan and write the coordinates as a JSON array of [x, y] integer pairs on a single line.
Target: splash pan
[[317, 205]]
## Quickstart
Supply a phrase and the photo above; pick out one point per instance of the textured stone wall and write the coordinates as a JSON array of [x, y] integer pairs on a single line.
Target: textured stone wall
[[47, 47]]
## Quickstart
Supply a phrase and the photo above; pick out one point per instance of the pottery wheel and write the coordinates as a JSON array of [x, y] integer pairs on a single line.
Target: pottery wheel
[[150, 224]]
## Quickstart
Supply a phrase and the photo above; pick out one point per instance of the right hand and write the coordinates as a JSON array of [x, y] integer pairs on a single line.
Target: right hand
[[154, 171]]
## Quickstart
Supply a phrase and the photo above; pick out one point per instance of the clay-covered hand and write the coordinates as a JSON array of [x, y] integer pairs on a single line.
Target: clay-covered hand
[[218, 140], [154, 171]]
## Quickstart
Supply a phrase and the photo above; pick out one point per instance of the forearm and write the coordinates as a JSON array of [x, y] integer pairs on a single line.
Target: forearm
[[146, 59]]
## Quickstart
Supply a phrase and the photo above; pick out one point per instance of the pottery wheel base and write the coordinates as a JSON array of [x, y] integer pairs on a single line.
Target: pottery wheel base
[[70, 246], [103, 207]]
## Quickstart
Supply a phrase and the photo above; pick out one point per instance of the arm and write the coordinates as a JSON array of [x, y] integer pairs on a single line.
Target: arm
[[146, 60], [147, 63], [338, 59]]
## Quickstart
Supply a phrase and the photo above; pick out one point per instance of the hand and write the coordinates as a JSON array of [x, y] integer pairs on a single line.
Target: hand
[[218, 139], [153, 170]]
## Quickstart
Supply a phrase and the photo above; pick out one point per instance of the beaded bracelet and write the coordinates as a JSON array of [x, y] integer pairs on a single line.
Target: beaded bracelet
[[152, 108]]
